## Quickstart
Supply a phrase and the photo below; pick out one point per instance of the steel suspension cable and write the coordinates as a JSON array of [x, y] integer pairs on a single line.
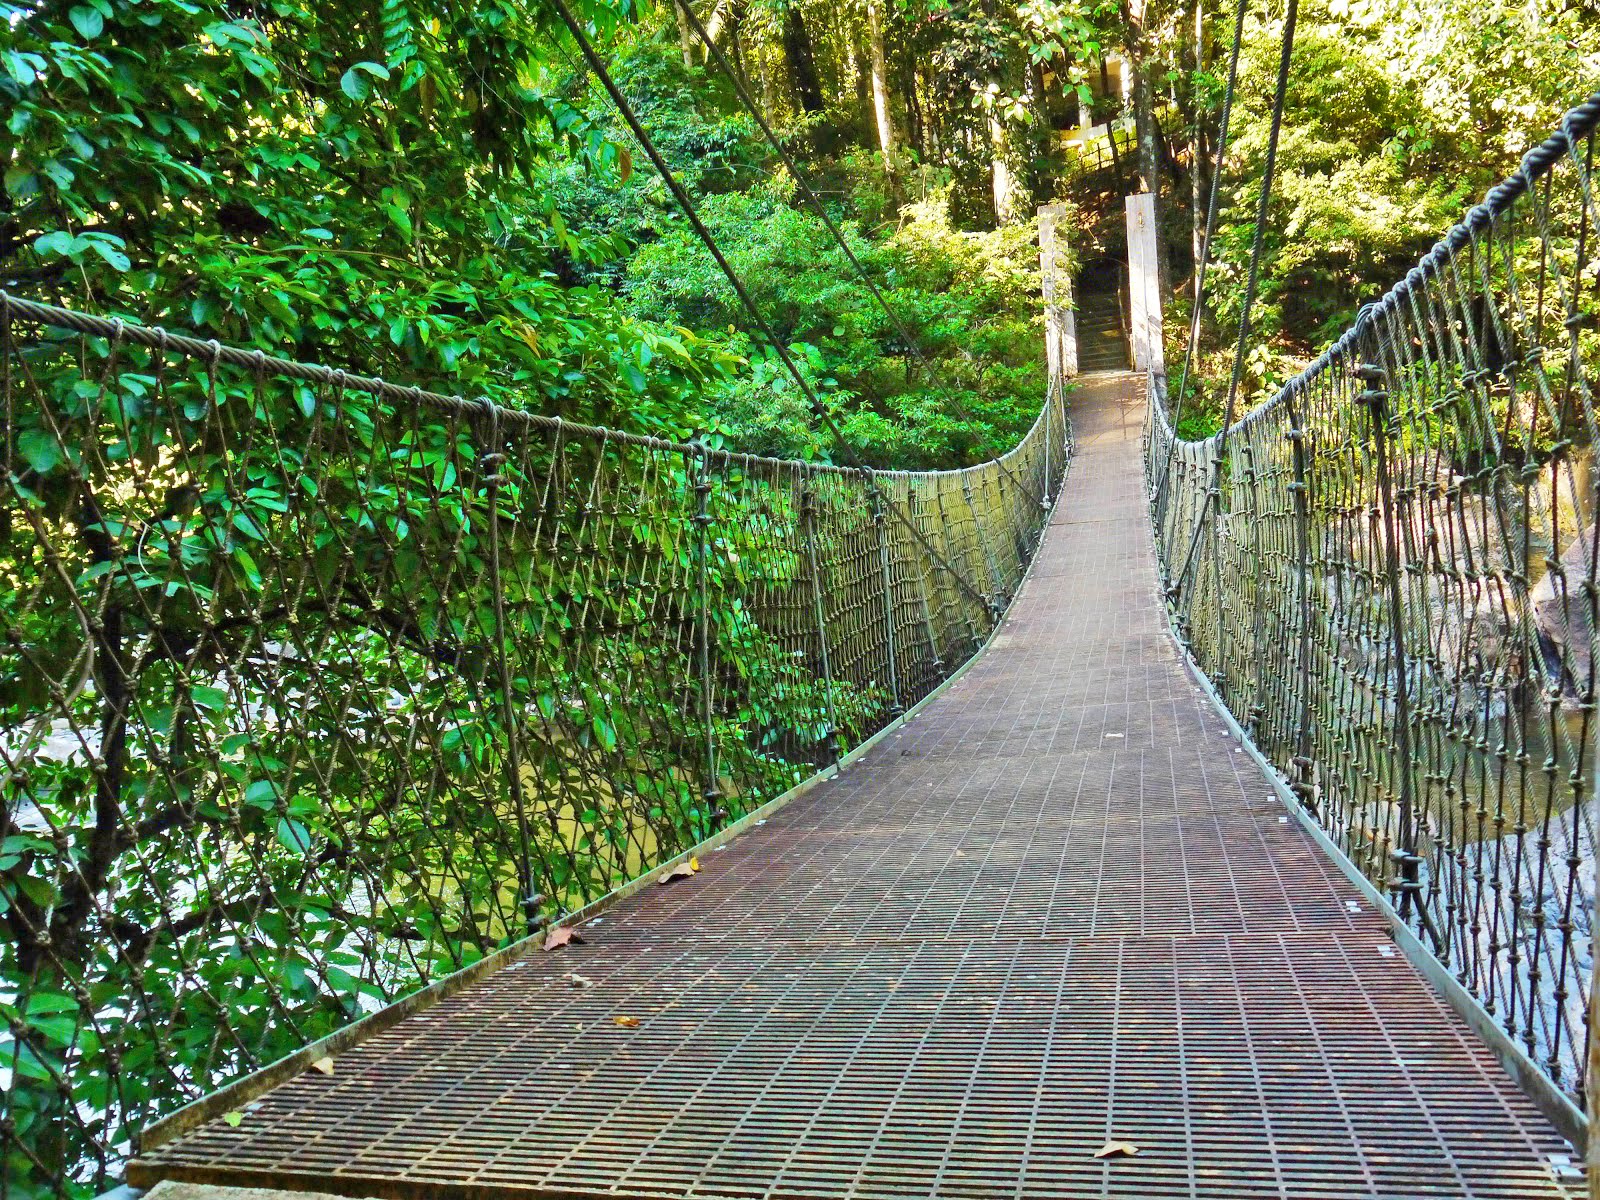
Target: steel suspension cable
[[788, 160], [1210, 232], [1253, 280], [681, 195]]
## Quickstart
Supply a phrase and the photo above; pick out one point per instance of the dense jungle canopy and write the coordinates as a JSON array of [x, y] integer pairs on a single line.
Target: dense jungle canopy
[[442, 193]]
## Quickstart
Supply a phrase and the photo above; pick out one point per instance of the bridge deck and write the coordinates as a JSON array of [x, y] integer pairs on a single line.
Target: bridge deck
[[1059, 908]]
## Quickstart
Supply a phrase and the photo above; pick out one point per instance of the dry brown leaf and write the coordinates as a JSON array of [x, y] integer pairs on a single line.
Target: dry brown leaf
[[557, 938], [683, 870], [626, 1022], [323, 1065], [1117, 1150], [578, 981]]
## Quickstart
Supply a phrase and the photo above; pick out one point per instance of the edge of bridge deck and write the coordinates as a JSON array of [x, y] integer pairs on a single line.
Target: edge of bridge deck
[[262, 1080], [1555, 1104]]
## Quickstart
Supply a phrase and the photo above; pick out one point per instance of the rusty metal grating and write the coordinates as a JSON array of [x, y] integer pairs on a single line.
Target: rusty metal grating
[[1057, 909]]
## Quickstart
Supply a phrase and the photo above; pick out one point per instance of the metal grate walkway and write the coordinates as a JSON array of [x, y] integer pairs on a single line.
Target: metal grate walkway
[[1058, 908]]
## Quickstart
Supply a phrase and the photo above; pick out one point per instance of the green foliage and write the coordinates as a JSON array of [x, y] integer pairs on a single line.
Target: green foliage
[[1396, 119], [332, 182], [352, 660], [693, 121], [966, 298]]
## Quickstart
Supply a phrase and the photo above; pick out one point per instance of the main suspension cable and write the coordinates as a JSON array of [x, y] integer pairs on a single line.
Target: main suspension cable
[[681, 195], [1259, 242], [1210, 233], [1252, 281]]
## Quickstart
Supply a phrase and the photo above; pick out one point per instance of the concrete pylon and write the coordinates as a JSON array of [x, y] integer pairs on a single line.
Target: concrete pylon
[[1144, 290], [1060, 325]]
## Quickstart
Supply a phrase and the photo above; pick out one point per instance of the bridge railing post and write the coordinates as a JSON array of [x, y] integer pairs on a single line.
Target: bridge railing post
[[1258, 685], [808, 519], [1375, 399], [1060, 323], [699, 468], [881, 530], [1299, 487], [1144, 289], [1592, 1073], [944, 534], [491, 463], [934, 658], [996, 588]]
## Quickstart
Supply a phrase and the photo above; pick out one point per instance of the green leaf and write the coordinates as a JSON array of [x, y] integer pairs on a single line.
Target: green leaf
[[87, 21], [115, 259], [21, 182], [353, 84], [262, 794], [39, 447], [25, 1061], [58, 242], [401, 219], [294, 836], [210, 698], [50, 1002]]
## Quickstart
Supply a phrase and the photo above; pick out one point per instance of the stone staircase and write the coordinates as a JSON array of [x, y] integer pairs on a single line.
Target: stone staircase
[[1102, 340]]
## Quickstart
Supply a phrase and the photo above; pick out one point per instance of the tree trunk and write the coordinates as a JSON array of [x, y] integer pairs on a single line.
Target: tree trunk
[[913, 109], [1042, 144], [1113, 112], [802, 63], [1197, 158], [856, 60], [685, 34], [765, 75], [1004, 179], [880, 86], [736, 46], [1148, 147]]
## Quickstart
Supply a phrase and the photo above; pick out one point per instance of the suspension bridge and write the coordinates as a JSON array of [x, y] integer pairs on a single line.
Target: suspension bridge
[[408, 796]]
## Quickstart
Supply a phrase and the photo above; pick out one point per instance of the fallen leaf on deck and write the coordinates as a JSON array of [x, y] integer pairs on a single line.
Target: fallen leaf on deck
[[682, 871], [627, 1022], [578, 981], [557, 938], [1116, 1150], [323, 1065], [234, 1118]]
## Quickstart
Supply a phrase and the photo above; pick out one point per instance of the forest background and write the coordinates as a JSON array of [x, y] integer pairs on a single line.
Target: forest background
[[441, 193]]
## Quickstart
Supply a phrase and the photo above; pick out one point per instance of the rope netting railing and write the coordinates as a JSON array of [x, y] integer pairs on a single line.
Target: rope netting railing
[[1388, 573], [314, 689]]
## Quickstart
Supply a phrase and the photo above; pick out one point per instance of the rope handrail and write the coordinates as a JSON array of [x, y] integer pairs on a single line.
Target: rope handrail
[[1387, 570], [156, 338], [321, 687]]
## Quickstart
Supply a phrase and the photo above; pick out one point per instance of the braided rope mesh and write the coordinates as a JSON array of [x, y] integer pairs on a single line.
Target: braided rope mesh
[[1388, 571], [314, 689]]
